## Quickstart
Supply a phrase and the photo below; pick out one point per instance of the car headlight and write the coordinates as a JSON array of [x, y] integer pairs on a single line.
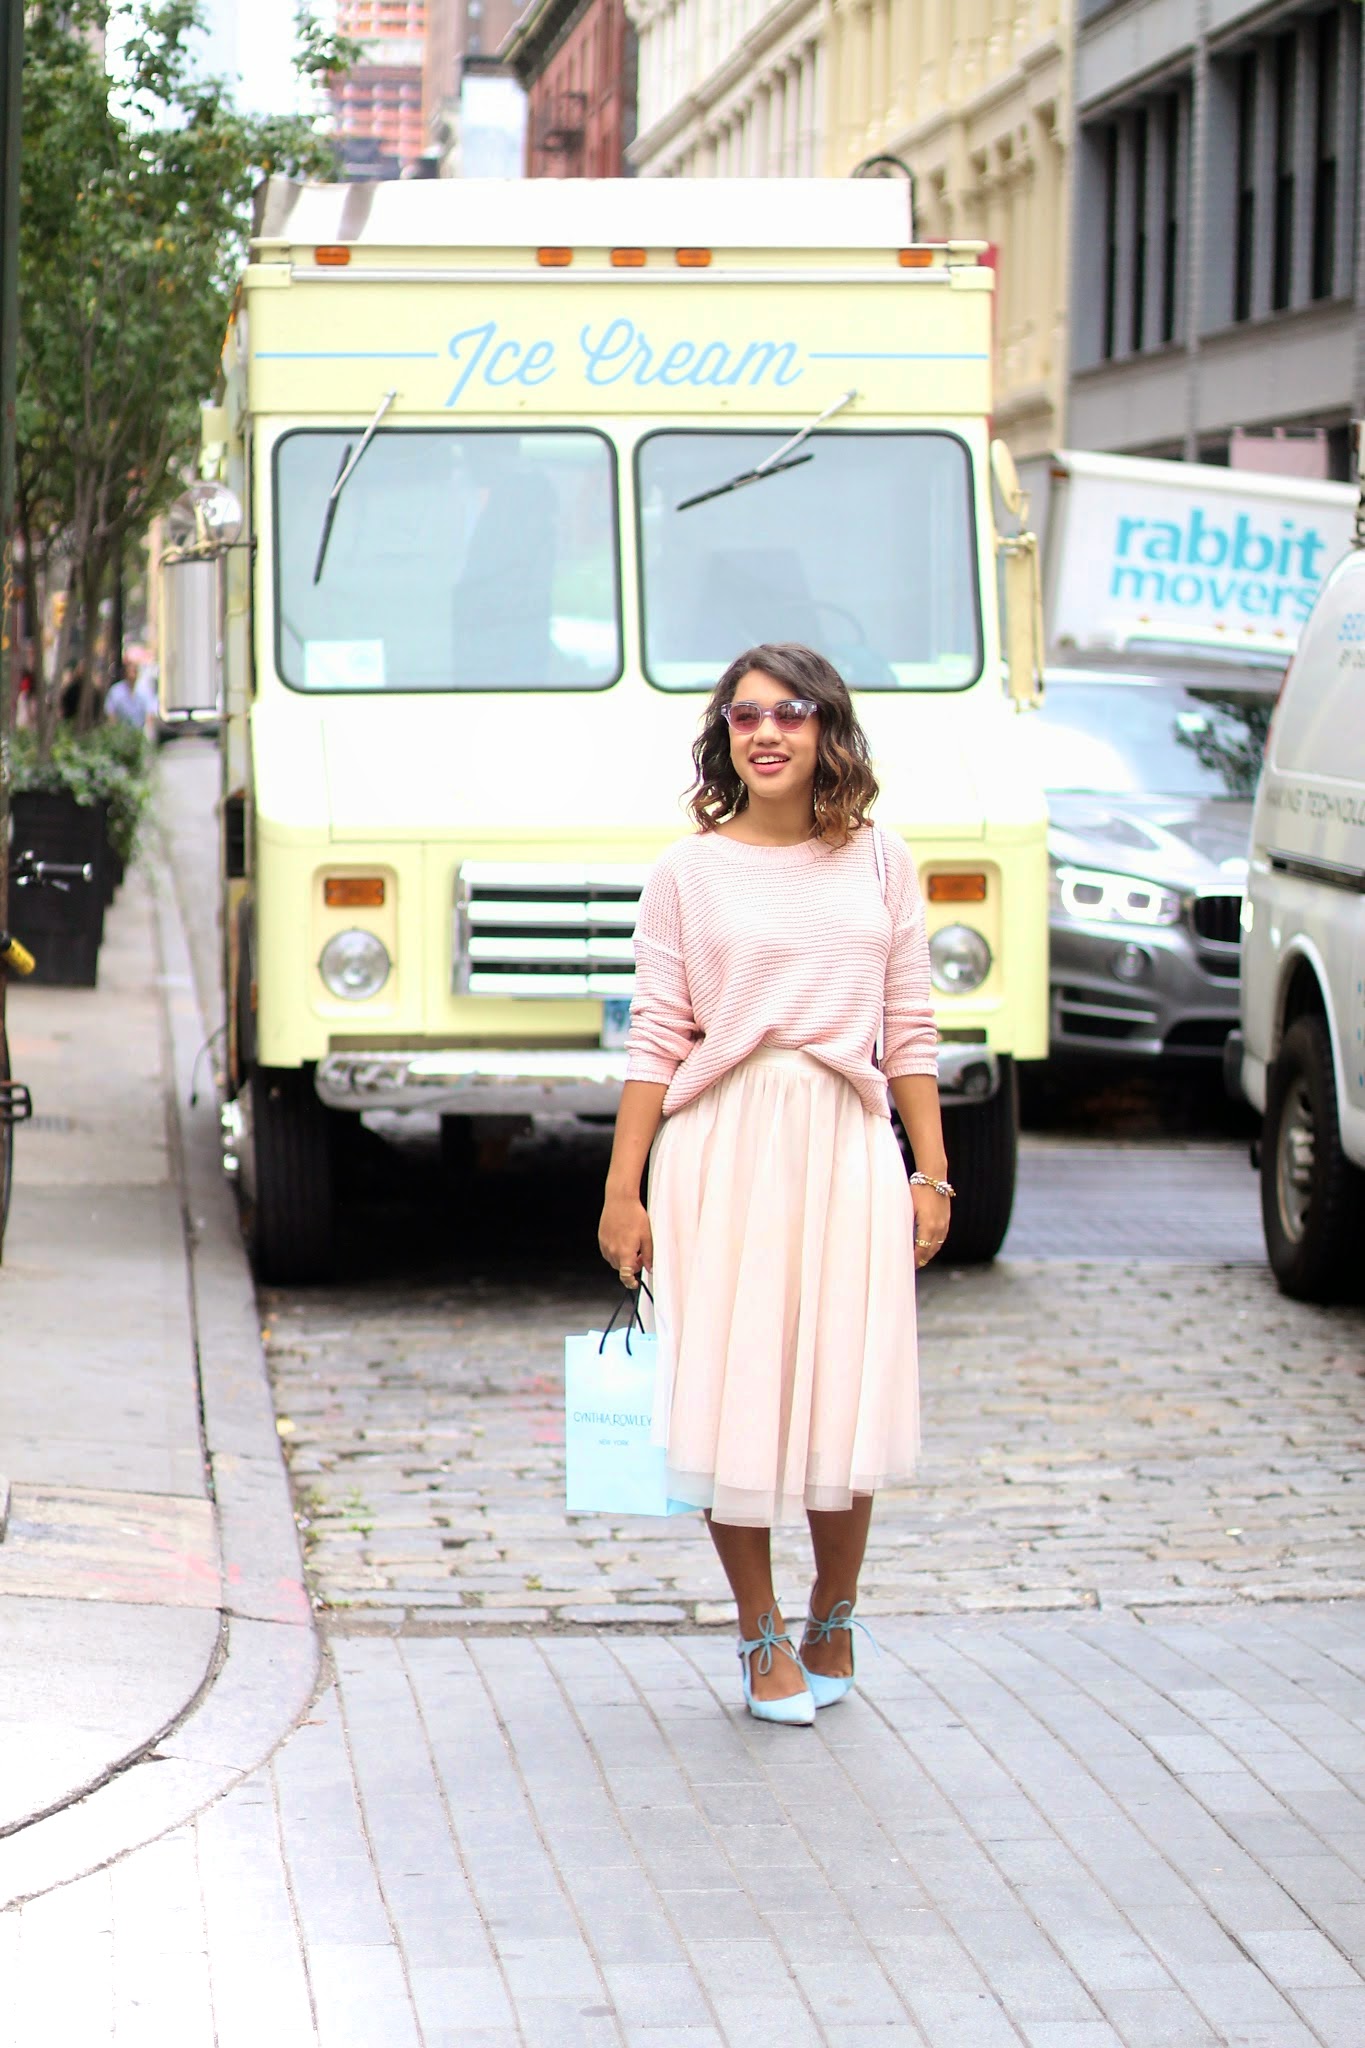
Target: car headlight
[[355, 965], [1103, 898], [959, 959]]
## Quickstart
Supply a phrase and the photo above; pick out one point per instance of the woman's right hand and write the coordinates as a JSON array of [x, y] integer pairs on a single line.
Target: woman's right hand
[[624, 1237]]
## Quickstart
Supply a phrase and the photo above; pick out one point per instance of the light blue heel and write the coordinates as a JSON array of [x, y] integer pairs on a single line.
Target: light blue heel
[[798, 1709], [825, 1691]]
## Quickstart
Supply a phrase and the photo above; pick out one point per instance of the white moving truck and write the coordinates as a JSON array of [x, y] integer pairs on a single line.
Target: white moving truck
[[1153, 559]]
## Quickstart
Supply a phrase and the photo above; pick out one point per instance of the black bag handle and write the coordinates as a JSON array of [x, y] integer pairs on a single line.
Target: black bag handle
[[631, 1295]]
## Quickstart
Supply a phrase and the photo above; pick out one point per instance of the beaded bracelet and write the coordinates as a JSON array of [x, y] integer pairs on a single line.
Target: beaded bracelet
[[940, 1187]]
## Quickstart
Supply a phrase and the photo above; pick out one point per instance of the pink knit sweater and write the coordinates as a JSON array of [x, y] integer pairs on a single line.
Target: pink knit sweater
[[740, 946]]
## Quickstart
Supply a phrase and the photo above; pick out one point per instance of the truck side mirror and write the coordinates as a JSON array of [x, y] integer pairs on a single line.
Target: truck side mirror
[[1021, 586], [191, 643], [1012, 493], [1023, 621], [203, 523]]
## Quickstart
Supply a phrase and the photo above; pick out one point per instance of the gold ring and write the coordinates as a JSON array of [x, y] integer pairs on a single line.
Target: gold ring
[[925, 1243]]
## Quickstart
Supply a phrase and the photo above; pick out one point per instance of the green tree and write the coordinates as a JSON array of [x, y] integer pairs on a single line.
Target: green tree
[[135, 209]]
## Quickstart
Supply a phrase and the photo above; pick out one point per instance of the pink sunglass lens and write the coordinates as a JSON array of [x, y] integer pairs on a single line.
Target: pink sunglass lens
[[748, 717]]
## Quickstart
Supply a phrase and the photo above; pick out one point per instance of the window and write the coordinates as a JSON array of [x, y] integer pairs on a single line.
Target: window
[[457, 560], [1325, 166], [1111, 241], [1282, 261], [1170, 231], [864, 549], [1141, 126], [1139, 158], [1245, 253], [1122, 738]]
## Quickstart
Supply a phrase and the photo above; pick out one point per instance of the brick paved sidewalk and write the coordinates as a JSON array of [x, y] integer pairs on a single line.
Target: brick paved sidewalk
[[1123, 1831]]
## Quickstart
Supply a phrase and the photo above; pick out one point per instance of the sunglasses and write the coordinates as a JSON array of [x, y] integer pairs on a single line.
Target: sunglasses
[[786, 714]]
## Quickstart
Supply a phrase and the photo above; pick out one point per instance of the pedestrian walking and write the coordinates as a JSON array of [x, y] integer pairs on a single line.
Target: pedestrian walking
[[781, 982], [130, 699]]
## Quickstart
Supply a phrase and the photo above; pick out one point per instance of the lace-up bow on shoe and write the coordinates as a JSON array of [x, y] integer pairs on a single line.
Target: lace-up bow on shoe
[[824, 1690], [797, 1710]]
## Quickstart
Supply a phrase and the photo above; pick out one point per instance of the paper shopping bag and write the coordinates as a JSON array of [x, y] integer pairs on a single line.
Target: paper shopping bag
[[612, 1467]]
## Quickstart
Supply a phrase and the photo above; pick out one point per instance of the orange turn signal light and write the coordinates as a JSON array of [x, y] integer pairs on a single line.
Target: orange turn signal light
[[354, 892], [332, 257], [956, 888], [554, 259], [627, 259], [916, 259], [693, 259]]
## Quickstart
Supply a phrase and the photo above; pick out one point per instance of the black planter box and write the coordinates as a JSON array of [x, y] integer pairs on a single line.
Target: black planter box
[[61, 928]]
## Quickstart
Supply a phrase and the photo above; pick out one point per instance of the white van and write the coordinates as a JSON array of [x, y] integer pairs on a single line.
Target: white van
[[1302, 1048]]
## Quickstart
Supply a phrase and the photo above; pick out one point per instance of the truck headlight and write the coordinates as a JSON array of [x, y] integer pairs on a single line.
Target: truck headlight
[[355, 965], [1118, 899], [959, 959]]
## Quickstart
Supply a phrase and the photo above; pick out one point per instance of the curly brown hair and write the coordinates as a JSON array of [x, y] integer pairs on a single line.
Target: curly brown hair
[[845, 787]]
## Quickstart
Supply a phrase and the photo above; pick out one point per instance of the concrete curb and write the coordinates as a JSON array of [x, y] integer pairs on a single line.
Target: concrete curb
[[268, 1672]]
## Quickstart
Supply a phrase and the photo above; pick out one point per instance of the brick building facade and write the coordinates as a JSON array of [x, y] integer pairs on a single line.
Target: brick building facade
[[576, 59]]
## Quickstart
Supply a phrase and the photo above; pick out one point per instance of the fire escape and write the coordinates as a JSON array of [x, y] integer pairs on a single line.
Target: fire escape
[[560, 128]]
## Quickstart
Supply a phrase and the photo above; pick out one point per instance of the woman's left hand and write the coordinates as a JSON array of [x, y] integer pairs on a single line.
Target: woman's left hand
[[933, 1213]]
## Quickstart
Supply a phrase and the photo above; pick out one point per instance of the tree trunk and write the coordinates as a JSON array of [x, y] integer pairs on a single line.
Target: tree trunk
[[92, 692], [11, 104], [116, 625], [33, 615]]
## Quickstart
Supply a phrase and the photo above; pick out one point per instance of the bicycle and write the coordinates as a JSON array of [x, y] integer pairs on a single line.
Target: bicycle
[[16, 1103]]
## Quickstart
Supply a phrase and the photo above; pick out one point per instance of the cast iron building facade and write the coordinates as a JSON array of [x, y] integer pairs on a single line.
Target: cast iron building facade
[[969, 95], [1216, 285]]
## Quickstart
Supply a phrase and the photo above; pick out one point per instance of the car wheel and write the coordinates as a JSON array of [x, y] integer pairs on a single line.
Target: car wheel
[[1312, 1197]]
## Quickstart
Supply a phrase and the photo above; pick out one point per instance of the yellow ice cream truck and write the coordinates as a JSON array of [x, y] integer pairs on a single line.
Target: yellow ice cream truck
[[499, 477]]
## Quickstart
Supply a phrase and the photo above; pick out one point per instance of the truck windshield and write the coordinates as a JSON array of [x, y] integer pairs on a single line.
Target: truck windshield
[[456, 561], [865, 552]]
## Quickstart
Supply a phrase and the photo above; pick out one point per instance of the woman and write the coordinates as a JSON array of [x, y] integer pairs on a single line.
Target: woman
[[782, 980]]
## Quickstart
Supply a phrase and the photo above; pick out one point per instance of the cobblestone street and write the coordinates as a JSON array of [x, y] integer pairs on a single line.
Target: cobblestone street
[[1105, 1433]]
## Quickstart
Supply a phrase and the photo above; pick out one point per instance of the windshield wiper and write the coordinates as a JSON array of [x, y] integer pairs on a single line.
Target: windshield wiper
[[344, 475], [774, 463]]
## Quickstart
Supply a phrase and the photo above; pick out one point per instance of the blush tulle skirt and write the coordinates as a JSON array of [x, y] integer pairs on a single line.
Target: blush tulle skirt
[[784, 1295]]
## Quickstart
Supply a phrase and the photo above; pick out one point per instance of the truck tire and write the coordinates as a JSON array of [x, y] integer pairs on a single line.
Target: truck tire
[[459, 1150], [292, 1218], [1312, 1197], [982, 1143]]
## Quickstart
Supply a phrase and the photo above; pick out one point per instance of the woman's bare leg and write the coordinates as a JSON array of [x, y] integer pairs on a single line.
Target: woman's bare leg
[[839, 1542], [746, 1559]]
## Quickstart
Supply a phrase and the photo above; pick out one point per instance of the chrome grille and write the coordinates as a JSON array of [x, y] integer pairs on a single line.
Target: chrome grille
[[1218, 918], [527, 928]]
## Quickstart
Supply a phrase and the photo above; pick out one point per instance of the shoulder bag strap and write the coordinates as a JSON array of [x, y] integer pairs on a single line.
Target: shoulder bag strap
[[879, 856]]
